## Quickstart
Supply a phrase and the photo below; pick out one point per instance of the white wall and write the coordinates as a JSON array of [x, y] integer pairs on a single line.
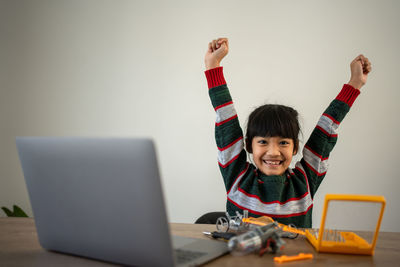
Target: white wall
[[135, 68]]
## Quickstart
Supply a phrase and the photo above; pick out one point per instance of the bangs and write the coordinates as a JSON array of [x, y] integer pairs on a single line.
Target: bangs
[[272, 122]]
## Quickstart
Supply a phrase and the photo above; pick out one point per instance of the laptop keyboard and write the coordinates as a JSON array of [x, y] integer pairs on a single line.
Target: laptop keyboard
[[184, 256]]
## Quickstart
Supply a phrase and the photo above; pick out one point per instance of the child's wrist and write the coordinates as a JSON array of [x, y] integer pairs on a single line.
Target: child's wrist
[[356, 84], [212, 65]]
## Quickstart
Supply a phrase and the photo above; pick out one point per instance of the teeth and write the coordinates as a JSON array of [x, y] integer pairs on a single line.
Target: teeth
[[272, 162]]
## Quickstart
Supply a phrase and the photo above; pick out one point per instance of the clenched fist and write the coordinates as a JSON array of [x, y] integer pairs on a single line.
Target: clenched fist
[[217, 50], [360, 67]]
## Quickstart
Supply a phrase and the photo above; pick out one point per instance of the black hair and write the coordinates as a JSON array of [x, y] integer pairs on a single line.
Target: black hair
[[272, 120]]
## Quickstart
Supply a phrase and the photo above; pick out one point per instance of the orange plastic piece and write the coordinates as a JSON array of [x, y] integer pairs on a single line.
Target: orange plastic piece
[[264, 220], [300, 256], [291, 229], [352, 243]]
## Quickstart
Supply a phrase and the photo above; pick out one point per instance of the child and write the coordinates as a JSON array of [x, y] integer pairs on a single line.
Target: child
[[270, 187]]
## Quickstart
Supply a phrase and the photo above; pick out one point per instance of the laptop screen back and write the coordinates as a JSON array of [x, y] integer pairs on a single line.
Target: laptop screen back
[[89, 197]]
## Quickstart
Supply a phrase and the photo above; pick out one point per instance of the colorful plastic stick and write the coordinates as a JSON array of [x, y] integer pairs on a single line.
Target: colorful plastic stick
[[301, 256]]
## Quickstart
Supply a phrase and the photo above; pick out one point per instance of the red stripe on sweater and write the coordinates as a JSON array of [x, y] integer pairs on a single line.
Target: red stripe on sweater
[[272, 202], [332, 118], [315, 153], [229, 162], [325, 132], [314, 170], [305, 177], [231, 144], [225, 121], [223, 105], [300, 170], [270, 215]]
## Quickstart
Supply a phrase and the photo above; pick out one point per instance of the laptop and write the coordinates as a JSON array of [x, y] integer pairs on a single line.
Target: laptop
[[102, 198]]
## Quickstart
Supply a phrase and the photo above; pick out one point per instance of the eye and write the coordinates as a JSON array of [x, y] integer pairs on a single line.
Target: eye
[[262, 142], [284, 142]]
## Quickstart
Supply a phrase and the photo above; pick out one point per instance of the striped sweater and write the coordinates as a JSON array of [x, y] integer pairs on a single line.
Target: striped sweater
[[288, 198]]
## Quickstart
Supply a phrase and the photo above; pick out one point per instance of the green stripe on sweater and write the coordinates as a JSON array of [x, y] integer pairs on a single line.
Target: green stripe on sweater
[[219, 95]]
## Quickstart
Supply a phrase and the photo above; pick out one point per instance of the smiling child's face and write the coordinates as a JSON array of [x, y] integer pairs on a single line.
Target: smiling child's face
[[272, 155]]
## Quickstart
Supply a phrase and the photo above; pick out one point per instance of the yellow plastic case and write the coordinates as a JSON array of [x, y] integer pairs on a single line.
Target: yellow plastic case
[[341, 241]]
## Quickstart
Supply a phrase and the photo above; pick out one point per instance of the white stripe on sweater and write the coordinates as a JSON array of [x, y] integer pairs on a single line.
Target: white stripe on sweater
[[328, 125], [225, 113], [229, 153], [321, 166]]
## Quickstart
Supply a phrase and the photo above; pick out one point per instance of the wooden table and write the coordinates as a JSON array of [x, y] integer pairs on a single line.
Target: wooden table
[[19, 247]]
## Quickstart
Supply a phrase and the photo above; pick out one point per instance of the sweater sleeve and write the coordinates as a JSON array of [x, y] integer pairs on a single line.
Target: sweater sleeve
[[314, 163], [232, 158]]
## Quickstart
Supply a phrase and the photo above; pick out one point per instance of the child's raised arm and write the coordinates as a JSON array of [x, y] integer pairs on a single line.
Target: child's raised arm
[[360, 67], [232, 158], [316, 152], [217, 50]]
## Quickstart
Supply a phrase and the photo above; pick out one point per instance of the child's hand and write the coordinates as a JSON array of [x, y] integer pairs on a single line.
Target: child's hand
[[360, 67], [217, 50]]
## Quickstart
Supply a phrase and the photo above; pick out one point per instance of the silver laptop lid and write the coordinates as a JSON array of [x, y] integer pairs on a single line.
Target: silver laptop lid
[[89, 198]]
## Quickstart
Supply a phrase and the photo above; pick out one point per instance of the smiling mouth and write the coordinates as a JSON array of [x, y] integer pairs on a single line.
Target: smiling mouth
[[273, 162]]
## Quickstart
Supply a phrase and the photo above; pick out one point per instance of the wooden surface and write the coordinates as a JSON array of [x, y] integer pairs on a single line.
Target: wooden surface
[[19, 247]]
